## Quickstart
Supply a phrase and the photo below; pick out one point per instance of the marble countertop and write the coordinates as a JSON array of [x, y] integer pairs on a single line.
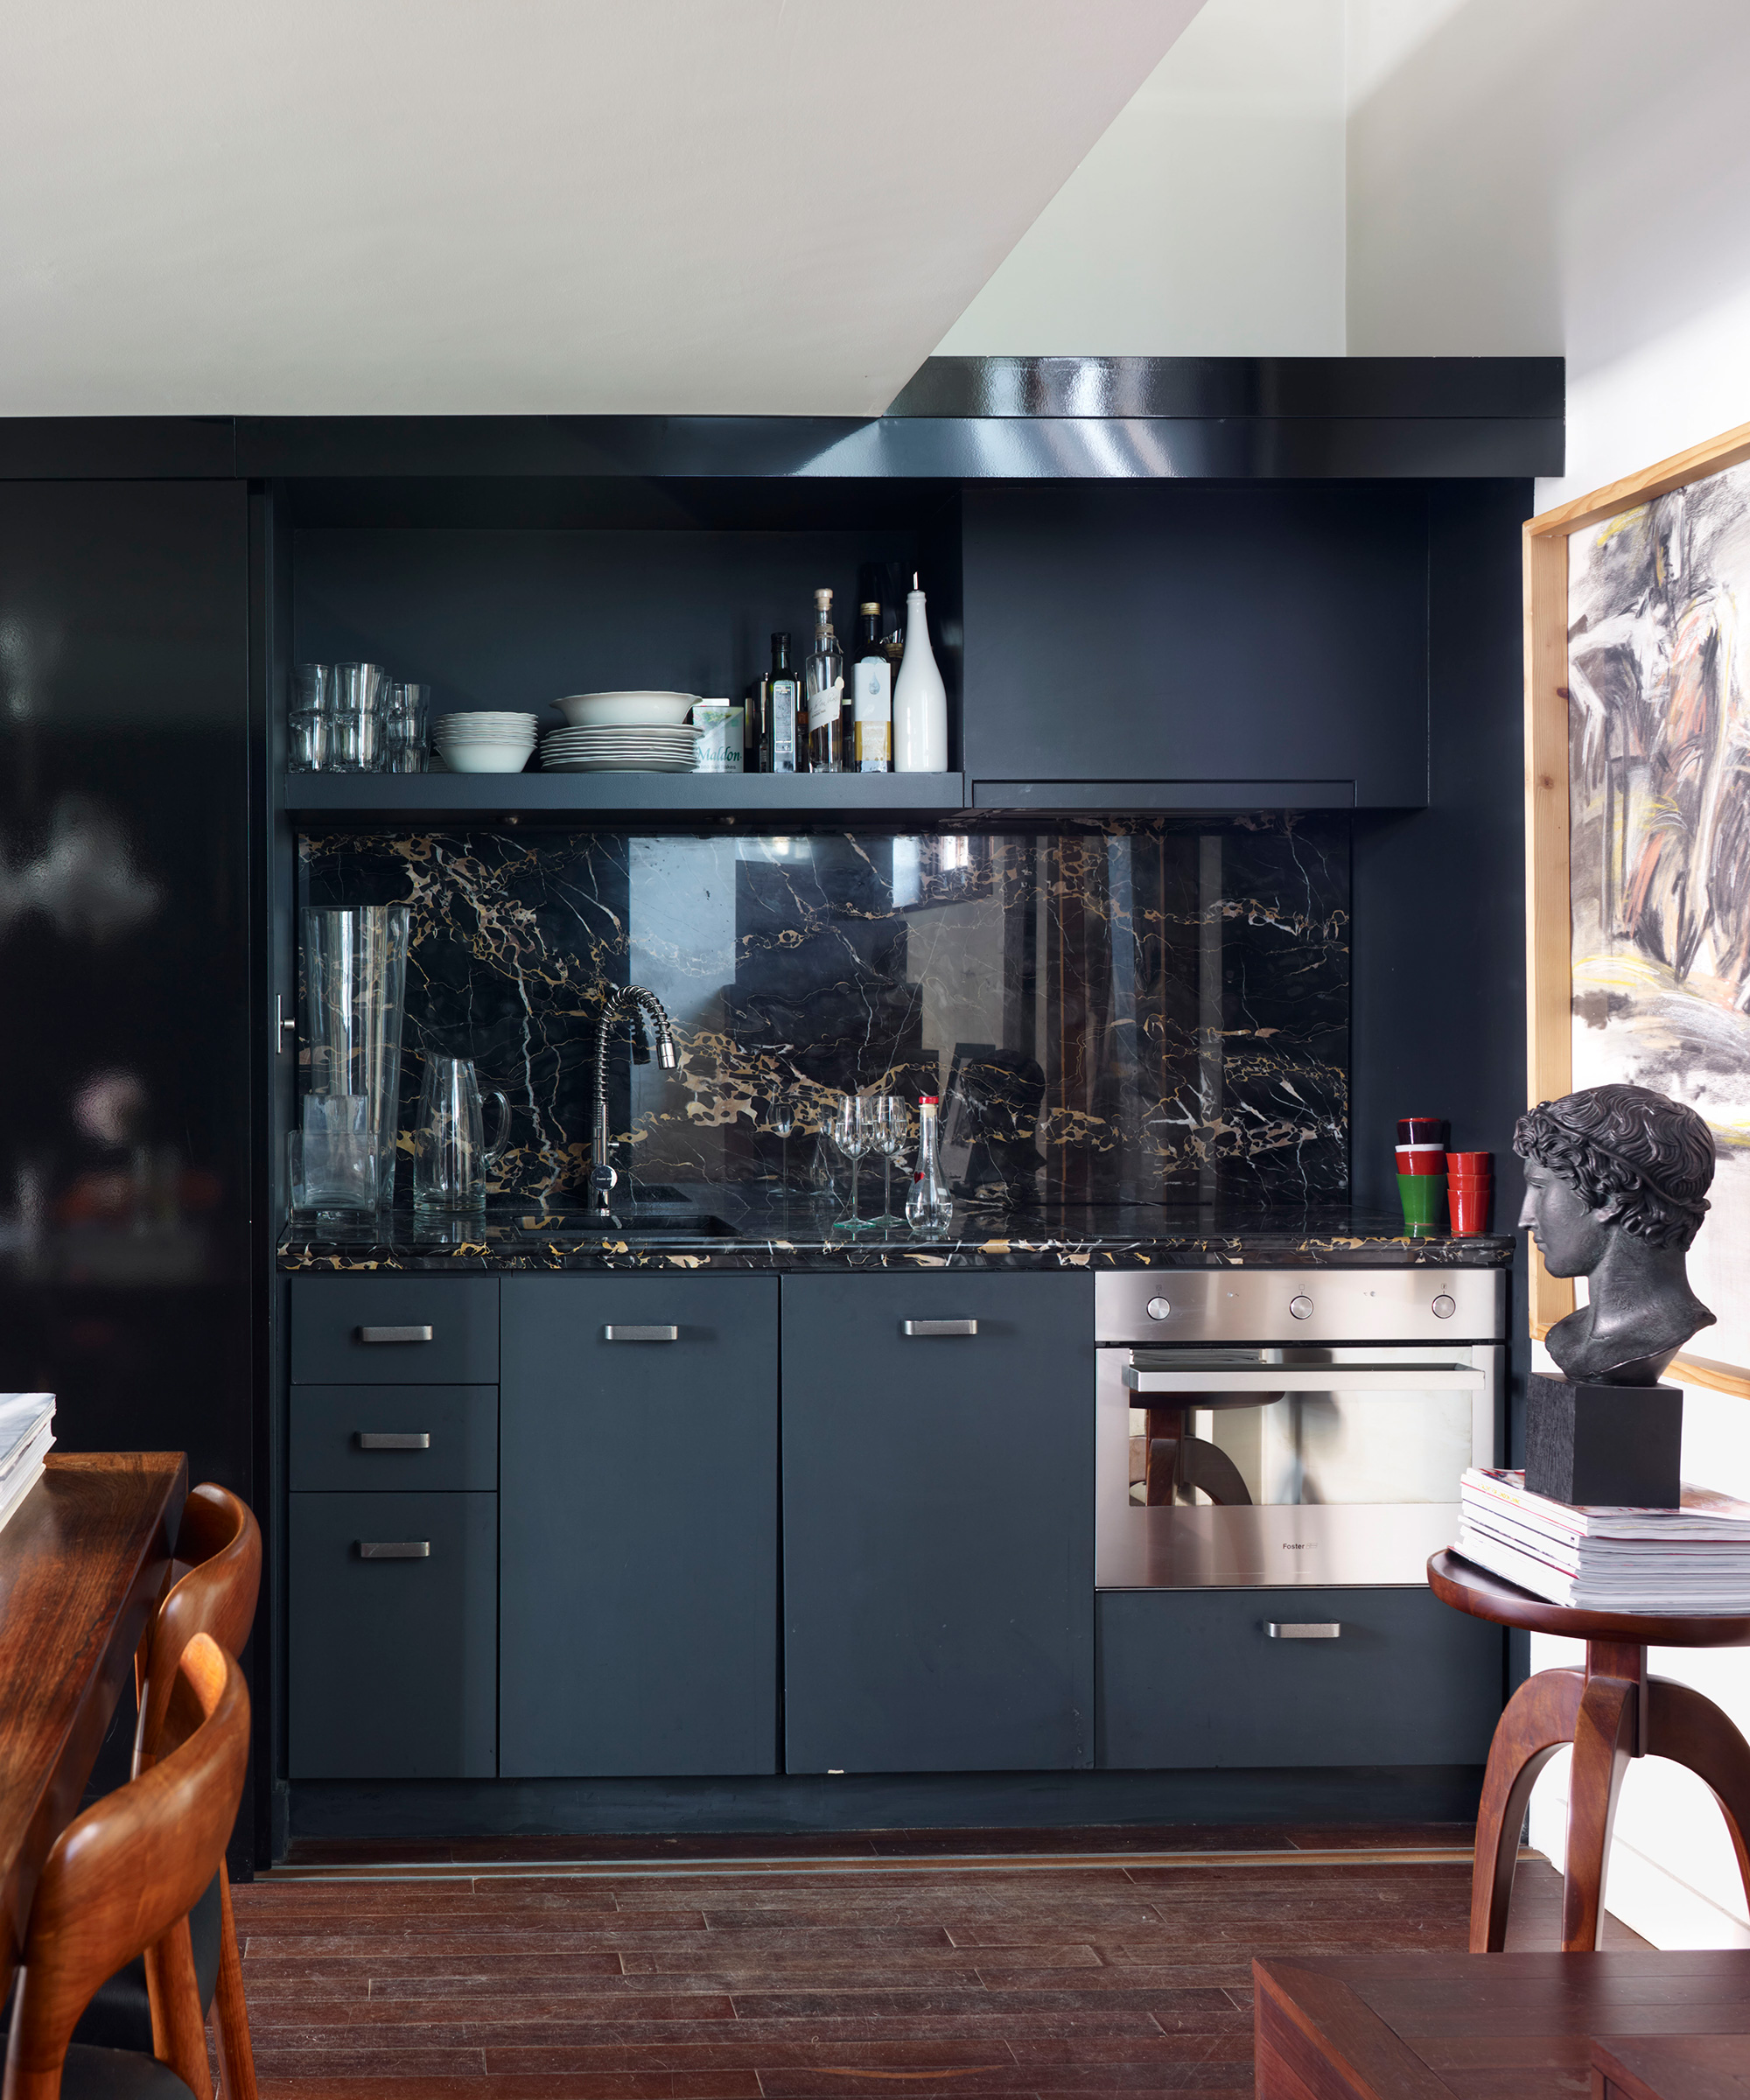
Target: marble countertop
[[761, 1233]]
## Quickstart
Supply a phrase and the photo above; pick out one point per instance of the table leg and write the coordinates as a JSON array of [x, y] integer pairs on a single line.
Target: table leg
[[1691, 1731], [1606, 1737], [1539, 1720]]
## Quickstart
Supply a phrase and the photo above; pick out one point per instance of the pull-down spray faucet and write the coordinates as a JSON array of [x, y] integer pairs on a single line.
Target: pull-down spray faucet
[[643, 1006]]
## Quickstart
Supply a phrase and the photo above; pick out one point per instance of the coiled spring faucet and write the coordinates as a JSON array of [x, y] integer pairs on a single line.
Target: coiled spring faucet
[[643, 1007]]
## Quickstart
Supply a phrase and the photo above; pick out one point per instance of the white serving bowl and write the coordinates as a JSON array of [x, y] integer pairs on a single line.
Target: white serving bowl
[[625, 710], [486, 758]]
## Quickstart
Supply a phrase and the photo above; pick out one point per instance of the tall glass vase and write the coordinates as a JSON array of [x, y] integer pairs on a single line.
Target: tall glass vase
[[354, 967]]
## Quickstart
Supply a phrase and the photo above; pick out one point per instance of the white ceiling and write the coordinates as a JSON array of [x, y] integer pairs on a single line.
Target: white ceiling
[[494, 206]]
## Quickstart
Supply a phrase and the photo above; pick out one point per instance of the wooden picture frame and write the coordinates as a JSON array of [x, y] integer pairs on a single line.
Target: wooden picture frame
[[1548, 817]]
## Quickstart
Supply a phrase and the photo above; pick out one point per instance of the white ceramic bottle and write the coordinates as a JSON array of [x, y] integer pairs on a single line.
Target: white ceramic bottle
[[920, 698]]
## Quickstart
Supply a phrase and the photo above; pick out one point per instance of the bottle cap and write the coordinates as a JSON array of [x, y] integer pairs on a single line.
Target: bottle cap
[[926, 1100], [870, 605], [823, 600], [784, 637]]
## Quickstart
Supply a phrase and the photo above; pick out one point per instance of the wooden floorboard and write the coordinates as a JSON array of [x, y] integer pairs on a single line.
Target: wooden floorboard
[[557, 1974]]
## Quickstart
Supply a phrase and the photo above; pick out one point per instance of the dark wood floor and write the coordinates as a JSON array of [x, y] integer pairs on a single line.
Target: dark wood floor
[[753, 1977]]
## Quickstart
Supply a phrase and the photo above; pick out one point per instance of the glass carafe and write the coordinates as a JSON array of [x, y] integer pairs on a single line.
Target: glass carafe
[[449, 1152], [354, 969]]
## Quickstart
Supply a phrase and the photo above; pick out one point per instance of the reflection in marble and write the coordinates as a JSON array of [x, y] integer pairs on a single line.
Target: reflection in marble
[[1149, 1012]]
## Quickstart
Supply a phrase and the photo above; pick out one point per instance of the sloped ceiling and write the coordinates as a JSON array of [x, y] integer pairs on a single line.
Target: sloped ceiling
[[495, 207]]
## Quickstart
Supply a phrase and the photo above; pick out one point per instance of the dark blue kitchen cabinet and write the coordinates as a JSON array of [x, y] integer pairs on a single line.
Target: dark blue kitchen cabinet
[[938, 1523], [638, 1483], [1167, 636]]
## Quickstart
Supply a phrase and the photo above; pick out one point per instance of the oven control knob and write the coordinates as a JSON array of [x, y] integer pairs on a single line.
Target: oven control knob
[[1158, 1308], [1301, 1307], [1444, 1308]]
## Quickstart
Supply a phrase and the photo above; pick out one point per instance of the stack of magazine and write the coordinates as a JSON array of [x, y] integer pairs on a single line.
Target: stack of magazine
[[26, 1431], [1691, 1560]]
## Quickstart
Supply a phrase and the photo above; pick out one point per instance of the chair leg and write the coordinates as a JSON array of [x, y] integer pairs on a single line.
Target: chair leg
[[231, 2013], [1539, 1719], [1604, 1742], [178, 2031], [1691, 1731]]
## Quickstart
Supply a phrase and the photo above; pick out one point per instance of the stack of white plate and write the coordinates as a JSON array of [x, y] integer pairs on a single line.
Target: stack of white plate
[[484, 741], [669, 748]]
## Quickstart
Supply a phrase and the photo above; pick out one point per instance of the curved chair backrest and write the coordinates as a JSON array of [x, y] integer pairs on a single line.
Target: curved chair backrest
[[127, 1870], [220, 1535]]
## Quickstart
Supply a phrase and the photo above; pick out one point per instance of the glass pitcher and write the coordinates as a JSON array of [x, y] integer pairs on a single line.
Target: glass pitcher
[[449, 1152]]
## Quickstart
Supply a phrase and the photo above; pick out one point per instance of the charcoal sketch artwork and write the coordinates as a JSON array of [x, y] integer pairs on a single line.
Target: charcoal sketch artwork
[[1659, 770]]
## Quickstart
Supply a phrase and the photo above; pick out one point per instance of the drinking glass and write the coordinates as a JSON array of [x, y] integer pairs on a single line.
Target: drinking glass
[[312, 688], [355, 717], [852, 1129], [406, 710], [449, 1152], [891, 1124]]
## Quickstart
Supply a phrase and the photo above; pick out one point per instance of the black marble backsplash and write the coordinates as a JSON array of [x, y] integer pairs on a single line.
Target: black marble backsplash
[[1150, 1012]]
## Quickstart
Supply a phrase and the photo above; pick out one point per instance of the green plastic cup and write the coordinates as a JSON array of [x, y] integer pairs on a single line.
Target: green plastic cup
[[1424, 1197]]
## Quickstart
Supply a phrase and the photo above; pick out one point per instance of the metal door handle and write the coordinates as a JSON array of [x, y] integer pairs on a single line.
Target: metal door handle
[[395, 1549], [395, 1439], [625, 1333], [394, 1333], [925, 1330], [1304, 1630]]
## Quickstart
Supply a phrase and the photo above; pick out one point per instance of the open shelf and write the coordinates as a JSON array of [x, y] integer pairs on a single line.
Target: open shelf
[[399, 799]]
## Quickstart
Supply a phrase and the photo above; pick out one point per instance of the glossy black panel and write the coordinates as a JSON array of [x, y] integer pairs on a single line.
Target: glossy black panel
[[1149, 1009], [124, 894], [78, 448]]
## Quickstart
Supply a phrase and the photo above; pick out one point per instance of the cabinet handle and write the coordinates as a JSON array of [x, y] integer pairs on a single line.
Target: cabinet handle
[[394, 1333], [395, 1549], [625, 1333], [1304, 1630], [925, 1330], [395, 1439]]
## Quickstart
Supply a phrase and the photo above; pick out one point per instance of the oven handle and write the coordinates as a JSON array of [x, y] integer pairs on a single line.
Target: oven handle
[[1309, 1378]]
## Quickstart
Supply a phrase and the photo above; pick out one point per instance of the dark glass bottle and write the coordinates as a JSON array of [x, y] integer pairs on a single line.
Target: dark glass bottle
[[773, 745]]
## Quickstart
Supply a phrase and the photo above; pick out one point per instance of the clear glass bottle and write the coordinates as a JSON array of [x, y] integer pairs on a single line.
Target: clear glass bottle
[[825, 692], [929, 1208], [871, 697]]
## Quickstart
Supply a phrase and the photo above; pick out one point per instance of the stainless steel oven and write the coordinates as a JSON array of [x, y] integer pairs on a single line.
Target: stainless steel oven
[[1270, 1428]]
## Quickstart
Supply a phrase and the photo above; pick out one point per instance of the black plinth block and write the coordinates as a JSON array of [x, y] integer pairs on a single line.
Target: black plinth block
[[1613, 1444]]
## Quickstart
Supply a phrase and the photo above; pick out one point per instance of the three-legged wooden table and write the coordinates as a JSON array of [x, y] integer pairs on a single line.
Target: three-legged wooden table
[[1612, 1711]]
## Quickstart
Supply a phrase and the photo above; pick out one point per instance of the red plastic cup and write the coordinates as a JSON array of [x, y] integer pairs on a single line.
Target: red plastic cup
[[1422, 1130], [1469, 1166], [1421, 1159], [1467, 1206]]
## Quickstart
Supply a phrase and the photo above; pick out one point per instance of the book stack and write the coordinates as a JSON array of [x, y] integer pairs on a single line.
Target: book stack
[[1693, 1560], [26, 1431]]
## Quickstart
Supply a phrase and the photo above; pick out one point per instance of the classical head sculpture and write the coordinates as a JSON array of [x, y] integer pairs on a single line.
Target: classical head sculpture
[[1616, 1181]]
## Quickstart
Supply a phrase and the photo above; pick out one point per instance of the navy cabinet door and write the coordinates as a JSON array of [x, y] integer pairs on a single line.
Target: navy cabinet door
[[938, 1523], [1174, 632], [638, 1483]]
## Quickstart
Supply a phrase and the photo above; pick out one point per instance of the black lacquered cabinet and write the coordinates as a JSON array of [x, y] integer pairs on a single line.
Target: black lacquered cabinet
[[638, 1475], [938, 1523]]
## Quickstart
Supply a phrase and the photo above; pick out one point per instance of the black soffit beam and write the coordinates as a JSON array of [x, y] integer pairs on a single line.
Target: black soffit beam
[[958, 419]]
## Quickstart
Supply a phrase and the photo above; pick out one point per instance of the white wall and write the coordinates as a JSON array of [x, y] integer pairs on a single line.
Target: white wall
[[1573, 176], [1207, 220]]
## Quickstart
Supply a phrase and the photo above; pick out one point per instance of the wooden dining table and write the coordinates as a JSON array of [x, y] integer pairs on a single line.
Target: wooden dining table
[[83, 1563]]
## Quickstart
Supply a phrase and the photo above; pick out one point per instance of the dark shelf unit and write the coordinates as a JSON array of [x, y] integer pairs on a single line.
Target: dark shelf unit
[[358, 799]]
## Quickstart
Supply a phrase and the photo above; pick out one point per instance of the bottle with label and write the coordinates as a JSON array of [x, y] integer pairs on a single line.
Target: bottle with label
[[825, 689], [871, 697], [929, 1208], [920, 698], [772, 724]]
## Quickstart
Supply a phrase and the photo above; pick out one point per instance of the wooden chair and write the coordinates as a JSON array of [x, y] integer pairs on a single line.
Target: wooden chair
[[120, 1882], [220, 1542]]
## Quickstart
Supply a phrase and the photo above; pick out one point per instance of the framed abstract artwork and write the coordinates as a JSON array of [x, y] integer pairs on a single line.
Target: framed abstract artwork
[[1637, 791]]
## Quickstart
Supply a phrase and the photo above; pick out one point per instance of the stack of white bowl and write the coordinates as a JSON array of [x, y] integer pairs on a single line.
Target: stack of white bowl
[[622, 733], [484, 741]]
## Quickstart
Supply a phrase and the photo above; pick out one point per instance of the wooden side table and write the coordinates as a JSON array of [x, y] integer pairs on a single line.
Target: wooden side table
[[1612, 1711]]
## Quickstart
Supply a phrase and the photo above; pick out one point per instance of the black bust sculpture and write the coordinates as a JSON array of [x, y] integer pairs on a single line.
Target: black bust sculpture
[[1616, 1181]]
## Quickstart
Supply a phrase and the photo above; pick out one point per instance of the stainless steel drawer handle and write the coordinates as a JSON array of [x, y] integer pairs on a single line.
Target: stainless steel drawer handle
[[928, 1330], [394, 1333], [625, 1333], [395, 1549], [1304, 1630], [395, 1439]]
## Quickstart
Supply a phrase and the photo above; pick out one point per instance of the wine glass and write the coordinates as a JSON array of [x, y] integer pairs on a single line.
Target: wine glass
[[892, 1126], [852, 1129], [783, 1121]]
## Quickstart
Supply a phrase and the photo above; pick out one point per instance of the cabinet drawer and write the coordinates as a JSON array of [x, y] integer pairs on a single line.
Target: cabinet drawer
[[395, 1330], [368, 1437], [393, 1660], [1192, 1678]]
